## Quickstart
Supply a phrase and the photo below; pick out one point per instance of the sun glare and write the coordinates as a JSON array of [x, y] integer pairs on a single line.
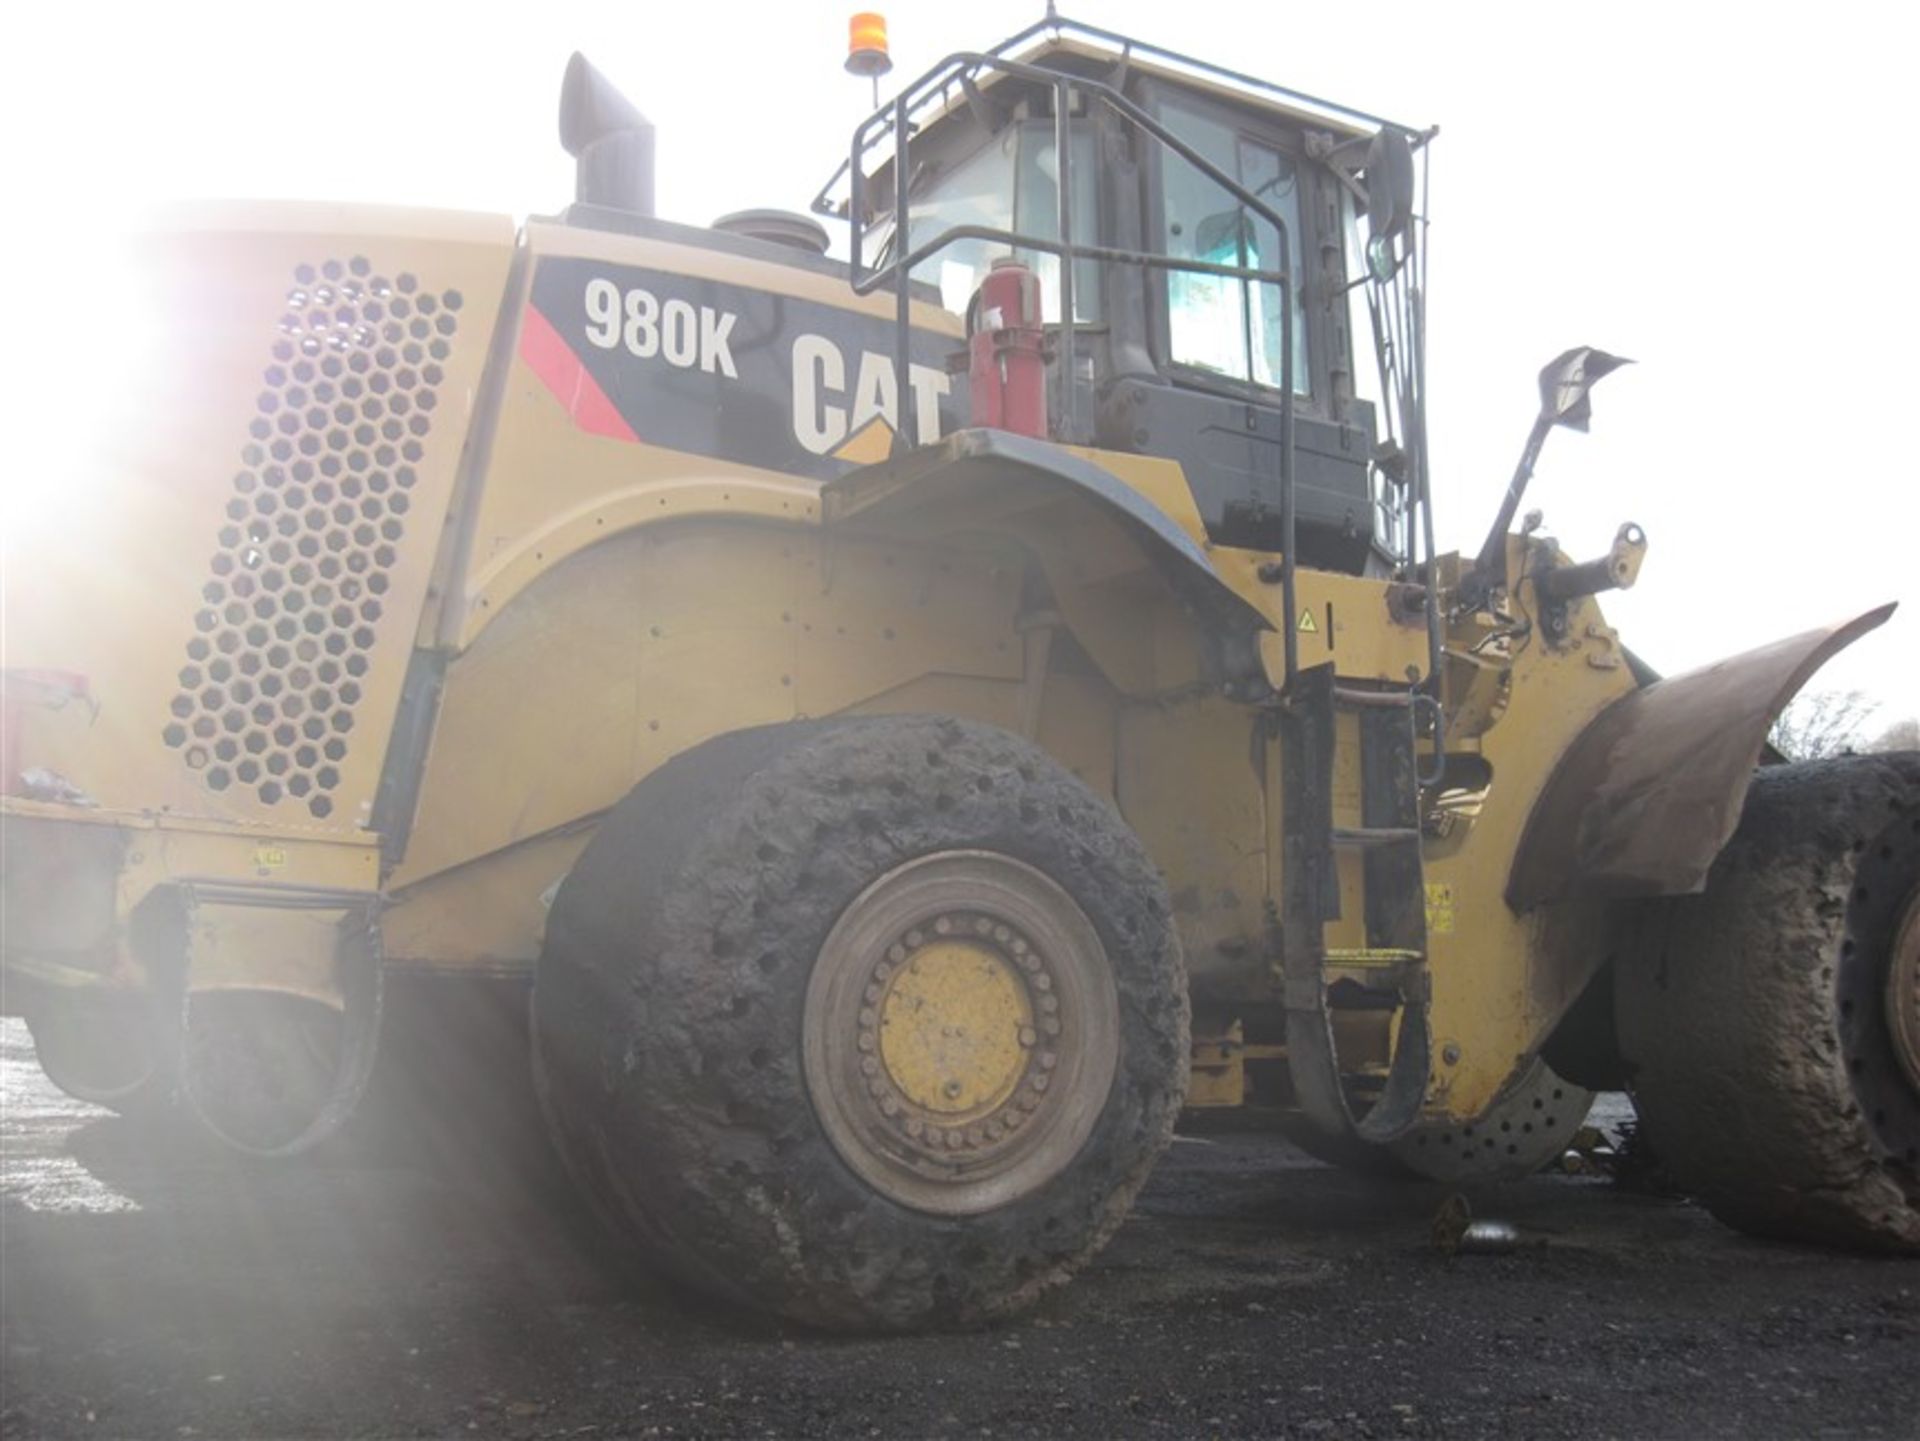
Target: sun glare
[[97, 353]]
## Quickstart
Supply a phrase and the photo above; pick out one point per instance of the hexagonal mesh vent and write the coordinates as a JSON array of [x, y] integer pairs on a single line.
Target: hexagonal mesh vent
[[283, 641]]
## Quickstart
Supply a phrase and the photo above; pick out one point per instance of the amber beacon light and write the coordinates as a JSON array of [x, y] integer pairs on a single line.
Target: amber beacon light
[[867, 45]]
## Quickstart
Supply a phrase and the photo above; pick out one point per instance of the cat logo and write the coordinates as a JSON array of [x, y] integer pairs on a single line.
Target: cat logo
[[826, 413]]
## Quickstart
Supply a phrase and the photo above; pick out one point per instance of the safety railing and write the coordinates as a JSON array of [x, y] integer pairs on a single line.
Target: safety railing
[[962, 71]]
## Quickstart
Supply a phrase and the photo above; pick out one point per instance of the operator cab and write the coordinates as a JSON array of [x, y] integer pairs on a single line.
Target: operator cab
[[1186, 363]]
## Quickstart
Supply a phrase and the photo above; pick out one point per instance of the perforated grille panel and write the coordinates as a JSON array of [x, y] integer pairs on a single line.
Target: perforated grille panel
[[298, 582]]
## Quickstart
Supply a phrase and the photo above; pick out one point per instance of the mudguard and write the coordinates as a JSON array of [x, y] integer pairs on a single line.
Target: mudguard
[[1647, 795], [989, 479]]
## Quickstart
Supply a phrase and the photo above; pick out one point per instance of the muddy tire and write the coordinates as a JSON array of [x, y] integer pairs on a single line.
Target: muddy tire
[[751, 1021], [1758, 1020]]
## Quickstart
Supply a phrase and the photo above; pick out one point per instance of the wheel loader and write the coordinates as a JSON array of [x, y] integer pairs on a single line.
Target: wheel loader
[[917, 721]]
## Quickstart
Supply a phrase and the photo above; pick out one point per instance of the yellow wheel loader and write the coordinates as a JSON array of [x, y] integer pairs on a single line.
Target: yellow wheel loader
[[916, 722]]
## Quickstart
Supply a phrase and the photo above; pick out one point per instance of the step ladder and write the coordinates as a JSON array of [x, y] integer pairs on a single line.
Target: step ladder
[[1394, 958]]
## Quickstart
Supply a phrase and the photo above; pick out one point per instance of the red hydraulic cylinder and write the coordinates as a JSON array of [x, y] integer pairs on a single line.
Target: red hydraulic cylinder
[[1006, 349]]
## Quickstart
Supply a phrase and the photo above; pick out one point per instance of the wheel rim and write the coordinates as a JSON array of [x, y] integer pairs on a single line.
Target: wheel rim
[[1903, 993], [961, 1032]]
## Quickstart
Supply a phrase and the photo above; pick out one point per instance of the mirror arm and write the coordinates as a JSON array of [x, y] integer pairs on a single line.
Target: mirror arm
[[1566, 382], [1334, 155], [1489, 567], [986, 113]]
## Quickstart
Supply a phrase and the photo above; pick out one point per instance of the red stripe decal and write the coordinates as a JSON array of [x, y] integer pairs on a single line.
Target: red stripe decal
[[562, 372]]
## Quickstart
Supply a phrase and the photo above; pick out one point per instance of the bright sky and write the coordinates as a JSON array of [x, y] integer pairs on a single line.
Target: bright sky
[[1679, 183]]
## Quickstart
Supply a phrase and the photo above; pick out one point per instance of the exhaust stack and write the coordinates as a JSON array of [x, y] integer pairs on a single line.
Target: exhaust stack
[[610, 140]]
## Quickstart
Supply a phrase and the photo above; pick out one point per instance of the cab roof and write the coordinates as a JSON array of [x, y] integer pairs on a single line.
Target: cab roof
[[1093, 53], [1057, 37]]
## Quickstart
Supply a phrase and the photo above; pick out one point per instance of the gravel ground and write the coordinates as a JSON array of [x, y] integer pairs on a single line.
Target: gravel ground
[[435, 1279]]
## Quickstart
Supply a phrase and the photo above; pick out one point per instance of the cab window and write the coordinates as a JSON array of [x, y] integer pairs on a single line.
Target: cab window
[[1230, 327], [1010, 184]]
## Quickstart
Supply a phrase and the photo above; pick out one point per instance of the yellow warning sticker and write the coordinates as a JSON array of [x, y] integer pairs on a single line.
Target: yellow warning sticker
[[269, 857], [1306, 622], [1439, 908]]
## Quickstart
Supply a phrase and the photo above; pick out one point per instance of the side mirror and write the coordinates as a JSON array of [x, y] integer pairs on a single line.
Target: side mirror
[[1389, 181], [1567, 381]]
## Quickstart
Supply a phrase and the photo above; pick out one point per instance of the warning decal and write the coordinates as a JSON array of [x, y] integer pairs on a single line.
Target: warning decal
[[758, 377]]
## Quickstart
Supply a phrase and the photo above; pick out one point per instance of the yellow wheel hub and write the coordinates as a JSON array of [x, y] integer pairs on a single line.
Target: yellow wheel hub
[[961, 1032], [955, 1028]]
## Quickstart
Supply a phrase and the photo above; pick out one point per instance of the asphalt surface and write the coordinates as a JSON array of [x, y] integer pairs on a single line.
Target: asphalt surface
[[434, 1279]]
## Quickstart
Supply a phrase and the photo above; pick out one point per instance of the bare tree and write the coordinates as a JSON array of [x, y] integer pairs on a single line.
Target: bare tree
[[1821, 723], [1902, 735]]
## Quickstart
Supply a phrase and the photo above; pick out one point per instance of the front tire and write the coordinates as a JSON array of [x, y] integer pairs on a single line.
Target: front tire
[[874, 1023], [1761, 1021]]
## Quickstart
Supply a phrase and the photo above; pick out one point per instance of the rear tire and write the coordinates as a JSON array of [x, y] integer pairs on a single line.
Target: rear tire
[[751, 1021], [1757, 1020]]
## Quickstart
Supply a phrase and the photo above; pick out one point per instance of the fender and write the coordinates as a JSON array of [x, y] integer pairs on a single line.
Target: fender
[[988, 479], [1647, 795]]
